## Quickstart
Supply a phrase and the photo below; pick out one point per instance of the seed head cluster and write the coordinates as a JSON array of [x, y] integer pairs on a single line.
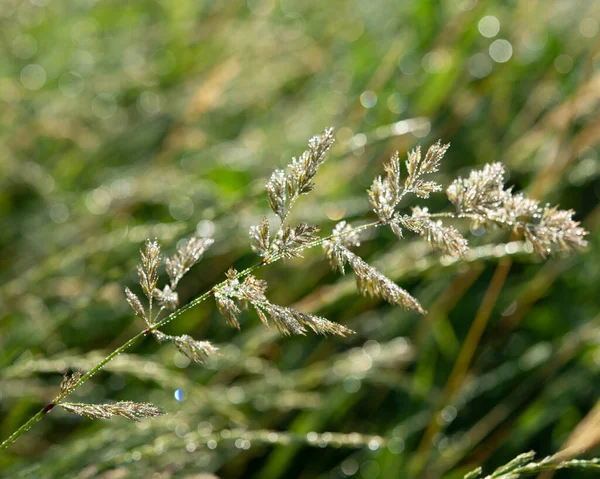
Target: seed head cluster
[[481, 198]]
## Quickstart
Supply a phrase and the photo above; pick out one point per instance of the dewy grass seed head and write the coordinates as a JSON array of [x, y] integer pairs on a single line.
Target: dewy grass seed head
[[482, 199]]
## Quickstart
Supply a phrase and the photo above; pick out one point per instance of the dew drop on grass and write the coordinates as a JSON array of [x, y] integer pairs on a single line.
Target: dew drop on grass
[[179, 395]]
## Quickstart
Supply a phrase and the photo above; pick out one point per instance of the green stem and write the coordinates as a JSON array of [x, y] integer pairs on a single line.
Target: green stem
[[167, 319], [24, 428], [15, 435]]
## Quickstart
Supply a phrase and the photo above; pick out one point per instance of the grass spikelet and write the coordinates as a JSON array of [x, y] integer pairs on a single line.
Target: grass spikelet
[[127, 409]]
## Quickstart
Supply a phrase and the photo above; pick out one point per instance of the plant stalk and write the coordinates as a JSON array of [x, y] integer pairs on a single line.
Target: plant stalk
[[167, 319]]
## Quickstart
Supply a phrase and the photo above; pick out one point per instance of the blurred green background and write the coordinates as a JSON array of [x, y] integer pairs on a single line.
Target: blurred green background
[[126, 120]]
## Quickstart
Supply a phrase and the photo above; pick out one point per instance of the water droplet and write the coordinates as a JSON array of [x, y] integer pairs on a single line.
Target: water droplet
[[33, 76], [179, 395], [448, 414], [480, 65], [373, 444], [351, 384], [489, 26], [349, 467], [396, 445], [501, 50], [190, 447], [368, 99]]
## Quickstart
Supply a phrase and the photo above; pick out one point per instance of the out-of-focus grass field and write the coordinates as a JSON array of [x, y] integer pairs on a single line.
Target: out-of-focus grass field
[[126, 120]]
